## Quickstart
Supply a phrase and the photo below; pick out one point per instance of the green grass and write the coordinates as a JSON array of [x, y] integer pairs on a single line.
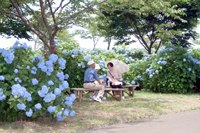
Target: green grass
[[95, 115]]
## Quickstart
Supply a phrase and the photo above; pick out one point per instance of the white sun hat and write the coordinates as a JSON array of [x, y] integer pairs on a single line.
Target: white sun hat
[[97, 66], [90, 62]]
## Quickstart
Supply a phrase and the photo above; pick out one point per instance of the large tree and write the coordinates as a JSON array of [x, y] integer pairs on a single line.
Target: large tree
[[151, 21], [10, 27], [50, 15]]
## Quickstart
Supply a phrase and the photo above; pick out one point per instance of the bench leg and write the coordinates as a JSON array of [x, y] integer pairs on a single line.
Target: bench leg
[[131, 91], [118, 99], [80, 96], [120, 95]]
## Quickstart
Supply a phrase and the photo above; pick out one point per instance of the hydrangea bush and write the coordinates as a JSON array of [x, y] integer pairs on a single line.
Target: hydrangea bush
[[32, 86], [172, 70]]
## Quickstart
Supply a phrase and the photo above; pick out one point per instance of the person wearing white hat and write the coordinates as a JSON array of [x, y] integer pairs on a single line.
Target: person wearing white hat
[[97, 68], [90, 76]]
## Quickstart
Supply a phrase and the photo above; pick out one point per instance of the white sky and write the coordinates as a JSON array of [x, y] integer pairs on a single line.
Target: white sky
[[84, 43]]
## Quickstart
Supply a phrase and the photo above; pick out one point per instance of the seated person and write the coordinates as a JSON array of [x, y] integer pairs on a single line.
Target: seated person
[[97, 67], [90, 76], [114, 76]]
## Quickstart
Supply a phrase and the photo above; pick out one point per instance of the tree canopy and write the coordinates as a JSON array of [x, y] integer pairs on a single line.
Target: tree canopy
[[151, 21], [46, 17]]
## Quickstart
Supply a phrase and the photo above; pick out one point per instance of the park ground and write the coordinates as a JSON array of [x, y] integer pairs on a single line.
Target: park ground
[[93, 115]]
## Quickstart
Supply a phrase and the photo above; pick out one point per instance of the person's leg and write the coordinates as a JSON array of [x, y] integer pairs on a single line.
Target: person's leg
[[101, 91], [95, 86], [120, 87], [113, 86]]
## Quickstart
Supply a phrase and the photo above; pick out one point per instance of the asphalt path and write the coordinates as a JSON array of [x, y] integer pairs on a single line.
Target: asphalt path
[[184, 122]]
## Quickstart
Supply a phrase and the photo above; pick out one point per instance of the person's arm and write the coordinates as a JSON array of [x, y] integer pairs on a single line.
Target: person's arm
[[110, 78], [99, 82], [97, 77]]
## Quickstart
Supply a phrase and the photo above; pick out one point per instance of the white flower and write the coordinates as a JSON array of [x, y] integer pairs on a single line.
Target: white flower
[[184, 59]]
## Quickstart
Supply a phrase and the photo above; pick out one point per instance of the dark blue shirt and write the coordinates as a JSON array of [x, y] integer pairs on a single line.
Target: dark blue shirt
[[90, 75]]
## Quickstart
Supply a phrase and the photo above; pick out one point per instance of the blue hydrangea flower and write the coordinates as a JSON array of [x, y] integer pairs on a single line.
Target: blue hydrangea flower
[[61, 76], [189, 69], [34, 81], [45, 89], [16, 71], [64, 52], [157, 72], [164, 62], [8, 56], [69, 103], [61, 87], [87, 58], [50, 82], [65, 84], [17, 89], [41, 64], [151, 75], [72, 113], [66, 76], [1, 91], [2, 78], [29, 113], [27, 67], [44, 68], [34, 70], [83, 65], [57, 91], [51, 109], [21, 106], [53, 96], [39, 57], [66, 112], [73, 97], [38, 106], [132, 82], [53, 58], [16, 79], [68, 98], [2, 97], [41, 94], [170, 49], [62, 63], [59, 117], [49, 63], [47, 98]]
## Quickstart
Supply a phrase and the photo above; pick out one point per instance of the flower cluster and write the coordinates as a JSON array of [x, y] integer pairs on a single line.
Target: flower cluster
[[2, 96]]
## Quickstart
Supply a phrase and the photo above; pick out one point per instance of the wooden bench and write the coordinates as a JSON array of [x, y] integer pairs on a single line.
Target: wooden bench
[[80, 96], [131, 89]]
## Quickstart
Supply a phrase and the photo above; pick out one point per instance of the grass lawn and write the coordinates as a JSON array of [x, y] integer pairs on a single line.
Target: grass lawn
[[90, 114]]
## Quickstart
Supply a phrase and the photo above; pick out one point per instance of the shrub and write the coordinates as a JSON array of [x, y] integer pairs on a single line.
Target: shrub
[[32, 86], [172, 70]]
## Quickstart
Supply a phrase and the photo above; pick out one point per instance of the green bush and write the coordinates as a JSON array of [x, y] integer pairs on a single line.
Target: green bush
[[32, 86]]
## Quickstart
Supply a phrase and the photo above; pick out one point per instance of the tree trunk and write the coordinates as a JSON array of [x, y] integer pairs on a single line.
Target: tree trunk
[[109, 41], [52, 49], [46, 55]]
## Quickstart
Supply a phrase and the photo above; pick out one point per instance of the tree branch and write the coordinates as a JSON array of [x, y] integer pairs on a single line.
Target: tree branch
[[52, 13], [44, 17], [30, 8], [158, 46], [58, 7]]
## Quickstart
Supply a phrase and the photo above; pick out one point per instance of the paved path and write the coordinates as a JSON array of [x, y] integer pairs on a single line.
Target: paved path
[[184, 122]]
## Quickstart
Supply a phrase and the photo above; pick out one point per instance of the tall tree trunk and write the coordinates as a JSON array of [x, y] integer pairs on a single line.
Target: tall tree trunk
[[46, 55], [109, 41], [52, 49]]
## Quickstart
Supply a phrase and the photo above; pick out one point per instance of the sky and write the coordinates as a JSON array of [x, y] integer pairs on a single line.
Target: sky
[[84, 43]]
